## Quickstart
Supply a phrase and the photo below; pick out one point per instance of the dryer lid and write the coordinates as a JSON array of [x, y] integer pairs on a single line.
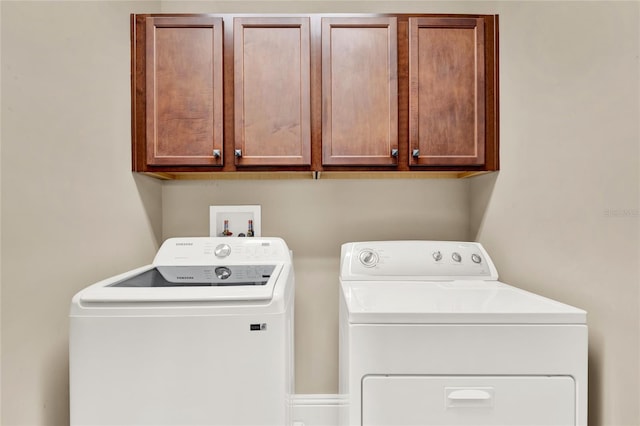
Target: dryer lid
[[453, 302]]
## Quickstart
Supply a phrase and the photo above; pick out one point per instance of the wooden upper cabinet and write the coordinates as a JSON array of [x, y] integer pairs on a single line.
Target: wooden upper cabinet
[[447, 91], [359, 91], [183, 65], [272, 118], [401, 92]]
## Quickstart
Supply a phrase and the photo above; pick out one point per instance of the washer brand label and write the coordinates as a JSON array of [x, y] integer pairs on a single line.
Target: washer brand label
[[258, 326]]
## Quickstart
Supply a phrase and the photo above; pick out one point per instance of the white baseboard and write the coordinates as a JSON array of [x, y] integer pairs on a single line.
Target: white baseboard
[[316, 409]]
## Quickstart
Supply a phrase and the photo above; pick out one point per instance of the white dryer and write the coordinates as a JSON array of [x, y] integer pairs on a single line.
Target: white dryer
[[202, 336], [429, 336]]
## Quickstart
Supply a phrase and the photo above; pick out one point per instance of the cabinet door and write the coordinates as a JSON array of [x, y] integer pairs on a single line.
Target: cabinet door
[[359, 91], [272, 91], [184, 91], [447, 91]]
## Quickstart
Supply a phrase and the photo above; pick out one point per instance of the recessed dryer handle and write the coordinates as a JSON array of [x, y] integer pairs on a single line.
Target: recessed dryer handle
[[468, 397]]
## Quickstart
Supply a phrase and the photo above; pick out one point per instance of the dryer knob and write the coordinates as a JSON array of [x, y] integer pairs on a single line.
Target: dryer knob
[[437, 256], [476, 258], [222, 250], [456, 257], [368, 258]]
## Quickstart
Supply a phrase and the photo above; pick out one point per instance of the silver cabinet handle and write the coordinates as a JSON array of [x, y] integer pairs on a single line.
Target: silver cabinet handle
[[238, 153], [216, 153], [394, 152], [415, 153]]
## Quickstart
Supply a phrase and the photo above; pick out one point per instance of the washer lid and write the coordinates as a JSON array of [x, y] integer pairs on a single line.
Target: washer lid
[[187, 284], [200, 269], [452, 302], [201, 276]]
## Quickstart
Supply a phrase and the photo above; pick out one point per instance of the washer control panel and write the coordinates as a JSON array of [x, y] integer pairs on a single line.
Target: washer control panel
[[221, 251], [416, 260]]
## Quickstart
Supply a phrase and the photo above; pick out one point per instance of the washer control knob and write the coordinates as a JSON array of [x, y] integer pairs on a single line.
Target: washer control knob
[[437, 256], [456, 257], [368, 258], [476, 258], [222, 250], [222, 272]]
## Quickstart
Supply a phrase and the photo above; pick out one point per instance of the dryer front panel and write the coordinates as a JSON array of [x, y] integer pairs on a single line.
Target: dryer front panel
[[468, 401]]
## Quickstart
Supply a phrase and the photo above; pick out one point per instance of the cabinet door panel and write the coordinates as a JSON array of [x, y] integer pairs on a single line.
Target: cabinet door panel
[[447, 91], [184, 90], [272, 91], [359, 91]]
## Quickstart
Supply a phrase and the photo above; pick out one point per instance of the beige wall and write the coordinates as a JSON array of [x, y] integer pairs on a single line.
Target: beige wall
[[562, 218], [567, 195], [1, 110], [72, 212]]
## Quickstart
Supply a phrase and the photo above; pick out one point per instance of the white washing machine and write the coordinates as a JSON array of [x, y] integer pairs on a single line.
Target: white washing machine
[[429, 336], [203, 336]]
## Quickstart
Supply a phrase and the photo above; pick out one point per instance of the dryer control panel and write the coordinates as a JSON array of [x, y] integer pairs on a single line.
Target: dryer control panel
[[416, 260]]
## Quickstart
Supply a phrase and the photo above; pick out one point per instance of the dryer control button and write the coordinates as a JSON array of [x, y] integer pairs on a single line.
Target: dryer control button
[[368, 258], [456, 257], [222, 250]]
